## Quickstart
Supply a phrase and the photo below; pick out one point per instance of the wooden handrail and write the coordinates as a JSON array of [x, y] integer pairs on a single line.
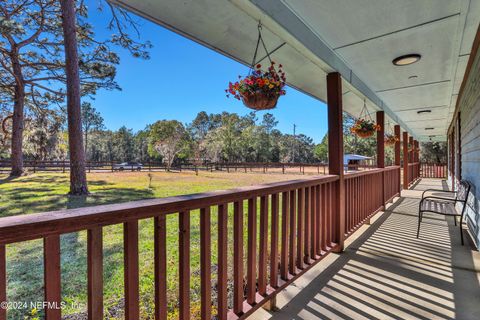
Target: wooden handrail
[[39, 225], [308, 220], [367, 172]]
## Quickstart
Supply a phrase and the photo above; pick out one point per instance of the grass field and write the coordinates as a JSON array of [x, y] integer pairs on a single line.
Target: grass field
[[44, 192]]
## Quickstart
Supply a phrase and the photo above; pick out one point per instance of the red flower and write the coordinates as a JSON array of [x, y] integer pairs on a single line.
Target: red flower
[[259, 66]]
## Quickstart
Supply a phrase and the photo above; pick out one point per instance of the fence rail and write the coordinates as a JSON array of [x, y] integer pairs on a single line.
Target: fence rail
[[103, 166], [289, 227]]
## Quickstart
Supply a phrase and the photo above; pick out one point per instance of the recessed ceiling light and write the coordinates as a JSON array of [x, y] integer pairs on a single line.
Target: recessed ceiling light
[[429, 128], [424, 111], [413, 77], [406, 59]]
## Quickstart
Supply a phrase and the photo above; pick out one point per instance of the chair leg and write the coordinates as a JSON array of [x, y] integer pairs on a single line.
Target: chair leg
[[461, 230], [420, 215], [455, 219]]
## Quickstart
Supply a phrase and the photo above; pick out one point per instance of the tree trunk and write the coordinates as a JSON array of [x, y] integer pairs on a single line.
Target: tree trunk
[[86, 143], [78, 176], [17, 120], [17, 132]]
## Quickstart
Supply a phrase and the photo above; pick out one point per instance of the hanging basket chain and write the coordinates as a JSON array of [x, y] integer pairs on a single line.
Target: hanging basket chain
[[365, 112], [259, 41], [260, 89]]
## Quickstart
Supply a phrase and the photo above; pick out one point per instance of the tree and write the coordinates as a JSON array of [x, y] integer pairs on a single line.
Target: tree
[[33, 68], [321, 150], [168, 138], [43, 135], [433, 152], [123, 147], [92, 120], [78, 176]]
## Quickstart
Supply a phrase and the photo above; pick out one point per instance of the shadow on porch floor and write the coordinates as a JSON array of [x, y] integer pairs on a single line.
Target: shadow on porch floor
[[387, 273]]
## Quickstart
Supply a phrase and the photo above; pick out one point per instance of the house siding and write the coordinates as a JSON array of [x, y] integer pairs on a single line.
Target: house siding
[[467, 161]]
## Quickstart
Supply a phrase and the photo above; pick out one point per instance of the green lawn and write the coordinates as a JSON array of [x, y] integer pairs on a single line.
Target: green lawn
[[44, 192]]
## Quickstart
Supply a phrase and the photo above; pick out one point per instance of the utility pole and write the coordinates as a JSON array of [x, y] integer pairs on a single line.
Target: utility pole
[[294, 142]]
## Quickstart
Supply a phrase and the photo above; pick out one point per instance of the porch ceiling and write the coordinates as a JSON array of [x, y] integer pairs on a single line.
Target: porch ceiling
[[359, 39]]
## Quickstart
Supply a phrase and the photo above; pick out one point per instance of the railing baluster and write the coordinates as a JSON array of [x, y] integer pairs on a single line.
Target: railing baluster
[[324, 216], [285, 226], [274, 242], [130, 243], [3, 281], [184, 264], [307, 226], [292, 254], [300, 227], [319, 218], [329, 222], [222, 261], [252, 250], [238, 294], [160, 256], [52, 277], [95, 273], [313, 215], [262, 255]]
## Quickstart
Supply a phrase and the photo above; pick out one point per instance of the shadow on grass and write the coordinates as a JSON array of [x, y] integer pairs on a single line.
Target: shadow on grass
[[25, 260], [48, 193]]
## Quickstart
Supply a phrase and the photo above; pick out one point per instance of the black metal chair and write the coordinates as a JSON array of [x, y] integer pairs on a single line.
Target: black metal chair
[[446, 206]]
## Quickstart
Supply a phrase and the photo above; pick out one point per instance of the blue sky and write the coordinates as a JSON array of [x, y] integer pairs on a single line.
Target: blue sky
[[183, 78]]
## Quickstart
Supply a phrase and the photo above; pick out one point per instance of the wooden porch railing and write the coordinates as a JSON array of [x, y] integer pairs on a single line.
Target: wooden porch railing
[[413, 172], [291, 226], [364, 195], [433, 170]]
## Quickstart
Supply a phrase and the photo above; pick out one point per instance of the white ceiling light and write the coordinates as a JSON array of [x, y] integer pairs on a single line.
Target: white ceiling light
[[406, 59]]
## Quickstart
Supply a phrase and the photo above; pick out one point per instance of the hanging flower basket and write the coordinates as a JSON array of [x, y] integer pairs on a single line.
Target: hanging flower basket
[[391, 139], [259, 90], [364, 128]]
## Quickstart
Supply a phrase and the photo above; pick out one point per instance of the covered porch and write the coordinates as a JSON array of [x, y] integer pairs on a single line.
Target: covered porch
[[335, 246], [386, 273]]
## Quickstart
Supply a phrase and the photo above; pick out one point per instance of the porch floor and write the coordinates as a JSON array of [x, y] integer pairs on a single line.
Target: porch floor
[[387, 273]]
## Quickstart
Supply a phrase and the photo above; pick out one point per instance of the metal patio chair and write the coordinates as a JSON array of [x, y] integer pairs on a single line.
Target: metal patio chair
[[446, 206]]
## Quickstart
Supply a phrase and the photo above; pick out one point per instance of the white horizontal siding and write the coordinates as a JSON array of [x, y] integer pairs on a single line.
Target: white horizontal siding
[[470, 145]]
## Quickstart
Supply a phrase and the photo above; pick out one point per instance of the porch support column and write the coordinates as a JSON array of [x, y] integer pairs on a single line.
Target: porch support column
[[381, 140], [381, 150], [335, 152], [396, 131], [405, 160], [416, 159], [410, 158]]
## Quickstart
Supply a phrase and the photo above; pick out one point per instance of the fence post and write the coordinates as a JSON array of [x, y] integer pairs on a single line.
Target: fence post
[[34, 166]]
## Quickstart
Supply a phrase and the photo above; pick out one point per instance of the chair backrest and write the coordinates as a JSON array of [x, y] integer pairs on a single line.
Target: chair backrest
[[463, 191]]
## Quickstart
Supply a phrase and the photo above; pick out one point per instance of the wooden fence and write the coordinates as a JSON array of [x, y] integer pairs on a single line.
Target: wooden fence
[[289, 227], [258, 167]]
